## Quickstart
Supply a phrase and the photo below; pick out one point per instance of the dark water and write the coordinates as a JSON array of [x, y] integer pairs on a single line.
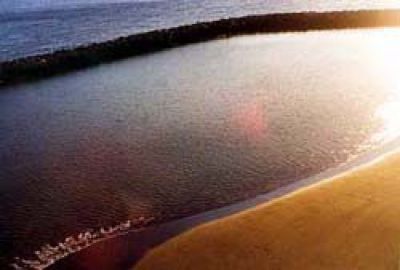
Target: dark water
[[29, 27], [190, 129]]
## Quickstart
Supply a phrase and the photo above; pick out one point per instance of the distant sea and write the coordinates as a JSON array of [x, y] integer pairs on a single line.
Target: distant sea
[[30, 27]]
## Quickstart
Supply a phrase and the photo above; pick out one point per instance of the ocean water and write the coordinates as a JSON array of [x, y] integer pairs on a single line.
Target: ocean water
[[186, 130], [29, 27]]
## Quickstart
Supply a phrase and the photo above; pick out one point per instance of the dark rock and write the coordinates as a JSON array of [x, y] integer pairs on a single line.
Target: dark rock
[[36, 67]]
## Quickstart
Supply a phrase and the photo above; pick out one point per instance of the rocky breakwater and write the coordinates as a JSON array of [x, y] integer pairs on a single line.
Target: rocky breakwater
[[41, 66]]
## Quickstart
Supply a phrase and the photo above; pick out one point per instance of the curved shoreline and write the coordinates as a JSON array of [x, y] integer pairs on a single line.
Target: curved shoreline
[[46, 65], [349, 221], [125, 250]]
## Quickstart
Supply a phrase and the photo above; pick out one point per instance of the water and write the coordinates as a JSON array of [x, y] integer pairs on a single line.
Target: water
[[182, 131], [29, 27]]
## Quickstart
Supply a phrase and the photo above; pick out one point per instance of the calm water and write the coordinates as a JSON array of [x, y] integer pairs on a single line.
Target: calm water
[[190, 129], [29, 27]]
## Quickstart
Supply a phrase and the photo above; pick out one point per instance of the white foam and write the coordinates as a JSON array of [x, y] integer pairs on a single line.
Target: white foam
[[48, 254]]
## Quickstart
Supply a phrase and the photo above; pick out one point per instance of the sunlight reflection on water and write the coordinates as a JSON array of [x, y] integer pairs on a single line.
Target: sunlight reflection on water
[[190, 129], [385, 53]]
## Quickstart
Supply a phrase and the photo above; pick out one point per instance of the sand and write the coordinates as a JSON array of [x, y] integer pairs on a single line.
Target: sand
[[351, 221]]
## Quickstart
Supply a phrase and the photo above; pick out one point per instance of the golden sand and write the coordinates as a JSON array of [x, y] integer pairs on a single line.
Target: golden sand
[[348, 222]]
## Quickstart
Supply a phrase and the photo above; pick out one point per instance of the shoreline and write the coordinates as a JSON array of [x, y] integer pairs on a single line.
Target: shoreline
[[349, 221], [46, 65], [126, 250]]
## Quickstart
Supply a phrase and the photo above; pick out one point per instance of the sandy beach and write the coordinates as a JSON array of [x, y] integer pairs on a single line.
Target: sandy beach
[[351, 221], [188, 134]]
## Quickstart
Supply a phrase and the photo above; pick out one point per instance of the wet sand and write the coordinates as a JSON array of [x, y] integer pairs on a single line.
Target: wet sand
[[351, 221], [105, 146], [162, 165], [127, 249]]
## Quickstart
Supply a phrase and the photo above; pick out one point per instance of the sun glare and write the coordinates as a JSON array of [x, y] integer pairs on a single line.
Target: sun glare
[[386, 53]]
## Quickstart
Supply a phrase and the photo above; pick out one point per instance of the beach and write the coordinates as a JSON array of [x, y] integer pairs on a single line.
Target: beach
[[103, 148], [350, 221], [207, 116]]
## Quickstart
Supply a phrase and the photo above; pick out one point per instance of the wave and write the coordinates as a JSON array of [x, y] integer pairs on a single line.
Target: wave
[[48, 254]]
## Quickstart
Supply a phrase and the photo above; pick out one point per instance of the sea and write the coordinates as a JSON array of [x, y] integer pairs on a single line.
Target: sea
[[183, 131], [31, 27]]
